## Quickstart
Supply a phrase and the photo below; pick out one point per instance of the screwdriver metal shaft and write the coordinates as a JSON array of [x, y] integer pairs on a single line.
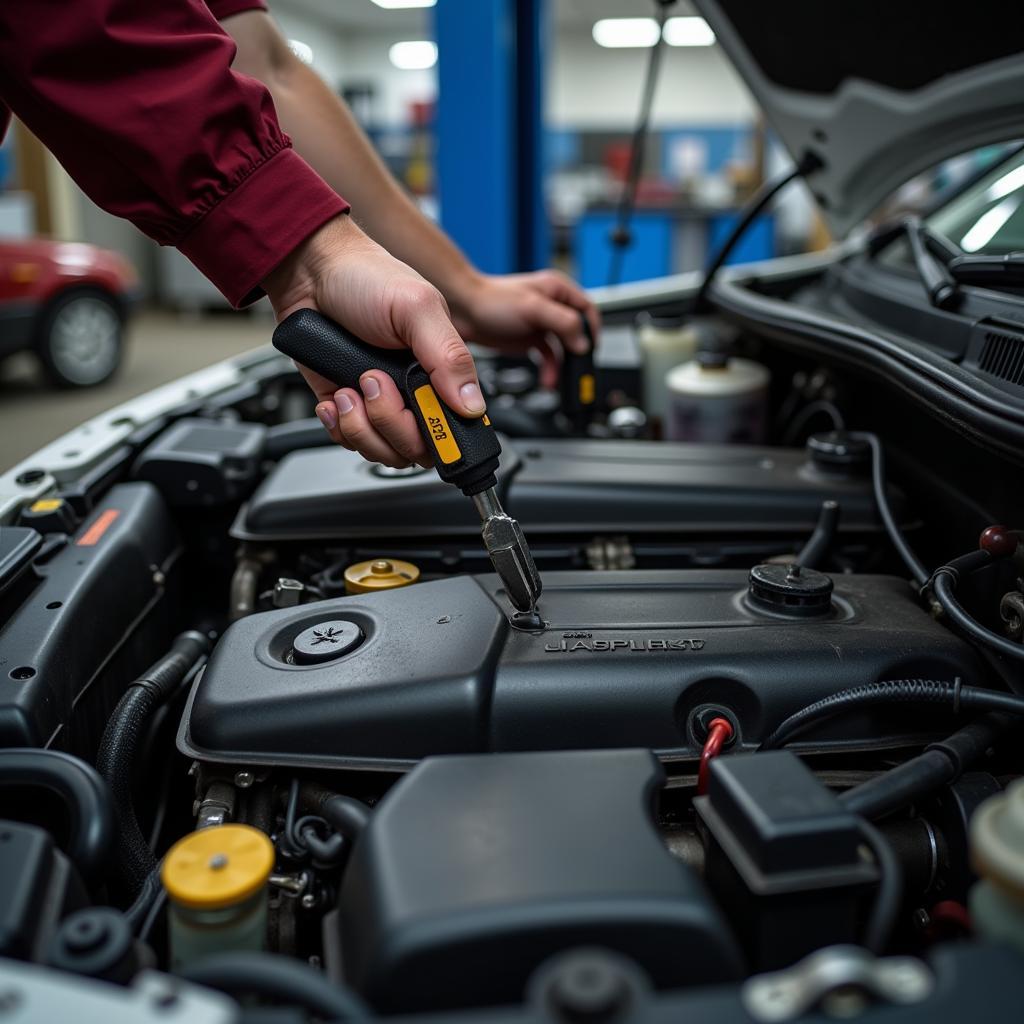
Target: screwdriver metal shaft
[[510, 554]]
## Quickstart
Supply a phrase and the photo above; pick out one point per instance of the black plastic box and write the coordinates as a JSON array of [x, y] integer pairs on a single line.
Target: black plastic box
[[473, 870], [784, 857], [203, 462]]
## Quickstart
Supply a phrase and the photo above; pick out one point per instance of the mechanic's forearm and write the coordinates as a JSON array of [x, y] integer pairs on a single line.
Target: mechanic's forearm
[[326, 134]]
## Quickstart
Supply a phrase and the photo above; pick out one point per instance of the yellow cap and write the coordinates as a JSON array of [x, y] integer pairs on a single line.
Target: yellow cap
[[379, 574], [46, 505], [217, 867]]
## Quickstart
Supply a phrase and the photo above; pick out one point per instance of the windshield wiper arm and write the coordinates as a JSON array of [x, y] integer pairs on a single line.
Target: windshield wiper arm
[[1006, 270], [932, 254]]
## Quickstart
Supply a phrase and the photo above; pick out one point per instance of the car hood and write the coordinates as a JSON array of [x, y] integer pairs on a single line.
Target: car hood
[[879, 91]]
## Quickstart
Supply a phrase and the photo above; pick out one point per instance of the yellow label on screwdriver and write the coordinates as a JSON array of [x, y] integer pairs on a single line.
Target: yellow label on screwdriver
[[447, 447], [587, 388]]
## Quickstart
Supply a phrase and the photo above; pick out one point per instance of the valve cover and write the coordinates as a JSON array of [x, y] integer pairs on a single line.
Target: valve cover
[[625, 659]]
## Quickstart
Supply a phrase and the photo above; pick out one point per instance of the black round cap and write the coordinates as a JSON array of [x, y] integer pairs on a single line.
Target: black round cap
[[665, 321], [838, 453], [97, 943], [326, 641], [790, 590]]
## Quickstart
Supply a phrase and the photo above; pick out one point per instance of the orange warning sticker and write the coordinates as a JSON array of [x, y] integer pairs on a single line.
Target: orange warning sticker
[[103, 523]]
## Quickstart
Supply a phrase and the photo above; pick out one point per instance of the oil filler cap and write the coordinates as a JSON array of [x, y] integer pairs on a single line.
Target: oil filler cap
[[379, 574], [326, 641], [790, 590]]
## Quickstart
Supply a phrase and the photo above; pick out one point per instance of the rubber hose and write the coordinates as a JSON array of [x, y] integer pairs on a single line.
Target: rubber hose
[[943, 586], [134, 861], [349, 816], [279, 978], [823, 536], [897, 691], [889, 897], [346, 814], [84, 794], [939, 765]]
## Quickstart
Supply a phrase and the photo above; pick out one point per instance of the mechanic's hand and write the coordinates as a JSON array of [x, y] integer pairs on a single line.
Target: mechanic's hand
[[348, 277], [522, 312]]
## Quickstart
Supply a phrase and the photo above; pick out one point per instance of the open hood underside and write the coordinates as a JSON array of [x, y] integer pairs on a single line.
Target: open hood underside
[[879, 91]]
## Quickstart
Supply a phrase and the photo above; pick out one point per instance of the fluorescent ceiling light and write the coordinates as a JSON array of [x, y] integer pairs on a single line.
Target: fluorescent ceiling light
[[413, 54], [1007, 183], [986, 226], [688, 32], [402, 5], [621, 32], [643, 32]]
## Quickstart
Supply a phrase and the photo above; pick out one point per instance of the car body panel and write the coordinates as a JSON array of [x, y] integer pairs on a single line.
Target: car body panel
[[917, 86]]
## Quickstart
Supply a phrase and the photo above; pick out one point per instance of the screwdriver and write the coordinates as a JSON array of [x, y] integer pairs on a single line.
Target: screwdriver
[[465, 450], [579, 389]]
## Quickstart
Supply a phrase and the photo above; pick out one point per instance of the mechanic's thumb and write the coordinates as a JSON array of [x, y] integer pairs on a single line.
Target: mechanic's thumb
[[430, 334]]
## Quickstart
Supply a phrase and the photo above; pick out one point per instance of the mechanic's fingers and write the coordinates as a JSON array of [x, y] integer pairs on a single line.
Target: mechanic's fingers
[[388, 415], [320, 386], [563, 289], [421, 321], [561, 320], [550, 361], [327, 414], [360, 434]]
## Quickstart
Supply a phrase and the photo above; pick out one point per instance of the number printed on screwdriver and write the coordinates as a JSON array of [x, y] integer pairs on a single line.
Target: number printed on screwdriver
[[432, 411]]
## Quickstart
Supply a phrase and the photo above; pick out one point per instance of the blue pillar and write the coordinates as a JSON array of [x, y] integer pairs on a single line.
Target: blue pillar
[[532, 31], [489, 135]]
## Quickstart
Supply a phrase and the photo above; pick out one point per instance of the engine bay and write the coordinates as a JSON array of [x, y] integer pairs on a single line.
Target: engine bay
[[741, 743]]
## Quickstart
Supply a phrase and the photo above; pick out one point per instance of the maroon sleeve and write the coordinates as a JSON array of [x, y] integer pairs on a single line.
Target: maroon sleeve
[[222, 9], [137, 100]]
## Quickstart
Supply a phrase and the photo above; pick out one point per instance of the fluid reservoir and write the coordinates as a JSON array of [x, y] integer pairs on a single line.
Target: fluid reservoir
[[717, 399], [997, 855], [665, 342], [216, 880]]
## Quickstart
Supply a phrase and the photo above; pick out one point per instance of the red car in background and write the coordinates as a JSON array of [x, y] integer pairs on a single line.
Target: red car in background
[[67, 302]]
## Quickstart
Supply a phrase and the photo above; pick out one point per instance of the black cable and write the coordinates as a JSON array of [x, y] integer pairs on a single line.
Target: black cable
[[943, 587], [150, 892], [154, 913], [899, 542], [84, 794], [751, 208], [134, 860], [279, 978], [620, 237], [952, 696], [889, 896], [807, 413], [940, 764]]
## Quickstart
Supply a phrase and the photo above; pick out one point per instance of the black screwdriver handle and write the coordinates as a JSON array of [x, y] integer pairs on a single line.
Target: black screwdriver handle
[[579, 384], [465, 450]]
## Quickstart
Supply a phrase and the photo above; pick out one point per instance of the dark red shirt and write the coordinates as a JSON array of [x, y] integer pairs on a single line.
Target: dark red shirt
[[137, 100]]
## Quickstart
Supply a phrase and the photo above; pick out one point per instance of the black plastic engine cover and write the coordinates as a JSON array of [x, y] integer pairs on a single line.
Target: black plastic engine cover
[[562, 487], [99, 607], [474, 870], [627, 658]]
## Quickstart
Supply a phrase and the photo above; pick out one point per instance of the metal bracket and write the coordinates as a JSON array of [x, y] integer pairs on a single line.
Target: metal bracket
[[841, 981]]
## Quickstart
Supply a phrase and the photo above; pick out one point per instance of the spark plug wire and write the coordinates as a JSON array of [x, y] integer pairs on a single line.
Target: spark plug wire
[[720, 731]]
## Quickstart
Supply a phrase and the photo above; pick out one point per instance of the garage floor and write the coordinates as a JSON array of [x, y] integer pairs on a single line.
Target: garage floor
[[161, 347]]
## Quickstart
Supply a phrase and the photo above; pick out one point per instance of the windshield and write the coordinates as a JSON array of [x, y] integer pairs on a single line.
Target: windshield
[[989, 216]]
